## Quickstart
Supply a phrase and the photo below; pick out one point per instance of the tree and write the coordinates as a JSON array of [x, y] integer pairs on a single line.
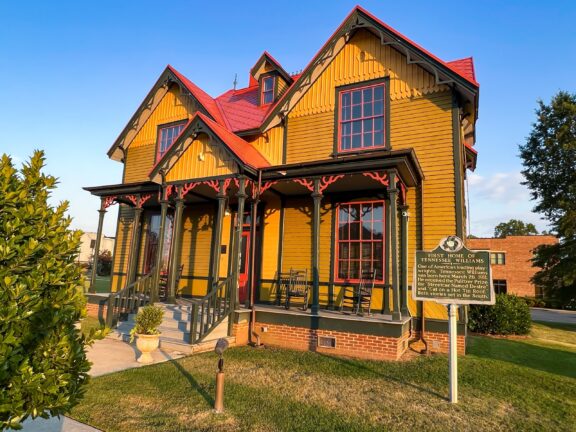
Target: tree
[[549, 159], [514, 227], [43, 364], [104, 263]]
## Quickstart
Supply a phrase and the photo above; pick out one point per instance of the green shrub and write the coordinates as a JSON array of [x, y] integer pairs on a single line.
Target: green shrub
[[534, 302], [510, 315], [43, 365], [148, 320]]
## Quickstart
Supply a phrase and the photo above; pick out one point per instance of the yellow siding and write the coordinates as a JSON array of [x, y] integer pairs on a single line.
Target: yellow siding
[[142, 150], [122, 247], [282, 86], [202, 158], [225, 241], [378, 61], [271, 237], [270, 144], [196, 243], [311, 121]]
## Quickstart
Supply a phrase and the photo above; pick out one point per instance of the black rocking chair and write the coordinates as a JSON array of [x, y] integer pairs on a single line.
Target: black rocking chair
[[359, 296], [298, 287]]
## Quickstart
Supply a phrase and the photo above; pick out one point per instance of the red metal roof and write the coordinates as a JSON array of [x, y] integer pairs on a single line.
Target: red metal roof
[[204, 98], [465, 67], [241, 108], [245, 151]]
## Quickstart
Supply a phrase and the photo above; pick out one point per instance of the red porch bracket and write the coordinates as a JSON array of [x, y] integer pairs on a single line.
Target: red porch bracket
[[138, 200], [267, 185], [109, 201], [381, 178], [187, 187], [325, 181]]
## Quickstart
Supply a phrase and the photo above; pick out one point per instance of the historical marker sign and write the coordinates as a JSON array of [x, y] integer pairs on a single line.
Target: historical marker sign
[[453, 274]]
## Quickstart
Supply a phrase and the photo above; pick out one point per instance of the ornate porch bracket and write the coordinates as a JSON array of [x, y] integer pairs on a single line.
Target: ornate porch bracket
[[325, 181], [185, 188], [138, 200], [381, 178], [109, 201], [401, 191]]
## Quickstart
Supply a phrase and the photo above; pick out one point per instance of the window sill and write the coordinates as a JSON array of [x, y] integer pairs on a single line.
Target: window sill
[[336, 155]]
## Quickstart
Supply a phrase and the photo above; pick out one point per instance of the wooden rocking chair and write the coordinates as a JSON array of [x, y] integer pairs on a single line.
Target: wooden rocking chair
[[298, 287], [359, 296]]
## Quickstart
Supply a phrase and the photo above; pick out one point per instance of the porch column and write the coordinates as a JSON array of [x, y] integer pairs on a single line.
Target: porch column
[[404, 257], [252, 276], [134, 245], [176, 247], [393, 216], [101, 214], [217, 241], [237, 244], [160, 250], [317, 197], [387, 230]]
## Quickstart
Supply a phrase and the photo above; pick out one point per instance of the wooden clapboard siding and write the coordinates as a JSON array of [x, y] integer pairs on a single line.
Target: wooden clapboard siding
[[141, 152], [270, 231], [311, 121], [225, 241], [122, 247], [270, 144], [202, 158], [281, 86], [196, 247]]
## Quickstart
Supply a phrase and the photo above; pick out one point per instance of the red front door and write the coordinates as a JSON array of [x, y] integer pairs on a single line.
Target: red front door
[[244, 267]]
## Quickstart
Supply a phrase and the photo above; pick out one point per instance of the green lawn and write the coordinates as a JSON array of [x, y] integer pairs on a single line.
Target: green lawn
[[523, 384], [102, 283]]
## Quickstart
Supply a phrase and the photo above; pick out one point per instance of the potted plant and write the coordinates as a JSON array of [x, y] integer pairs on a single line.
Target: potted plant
[[146, 330]]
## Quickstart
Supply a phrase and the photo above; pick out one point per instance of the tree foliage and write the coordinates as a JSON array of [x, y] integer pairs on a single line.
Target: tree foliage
[[104, 263], [514, 227], [549, 158], [43, 364]]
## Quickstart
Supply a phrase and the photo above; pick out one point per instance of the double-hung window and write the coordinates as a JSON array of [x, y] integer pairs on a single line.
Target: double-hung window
[[267, 90], [361, 118], [360, 240], [166, 137], [497, 258]]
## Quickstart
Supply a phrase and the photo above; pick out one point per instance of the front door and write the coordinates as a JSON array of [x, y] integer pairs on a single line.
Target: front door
[[244, 267]]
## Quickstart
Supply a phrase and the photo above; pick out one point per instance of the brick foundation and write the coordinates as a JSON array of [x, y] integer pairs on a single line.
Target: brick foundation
[[346, 344], [439, 342], [96, 306], [240, 332]]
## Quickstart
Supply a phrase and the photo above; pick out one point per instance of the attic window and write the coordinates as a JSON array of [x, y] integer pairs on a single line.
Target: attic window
[[267, 90], [167, 134]]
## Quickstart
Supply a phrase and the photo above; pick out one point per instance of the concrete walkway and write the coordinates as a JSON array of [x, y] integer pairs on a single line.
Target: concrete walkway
[[553, 315], [107, 356]]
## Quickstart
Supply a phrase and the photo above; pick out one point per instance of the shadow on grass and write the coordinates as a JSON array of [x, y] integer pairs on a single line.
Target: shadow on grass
[[193, 383], [353, 365], [555, 361]]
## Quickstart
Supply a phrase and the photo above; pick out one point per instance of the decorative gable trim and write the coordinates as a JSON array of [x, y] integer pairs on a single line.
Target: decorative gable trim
[[361, 19], [167, 79]]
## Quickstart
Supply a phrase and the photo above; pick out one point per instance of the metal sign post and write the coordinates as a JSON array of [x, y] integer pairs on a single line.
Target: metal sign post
[[453, 353], [453, 275]]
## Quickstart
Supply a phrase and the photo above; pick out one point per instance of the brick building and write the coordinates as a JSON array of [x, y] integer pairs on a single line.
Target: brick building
[[511, 261]]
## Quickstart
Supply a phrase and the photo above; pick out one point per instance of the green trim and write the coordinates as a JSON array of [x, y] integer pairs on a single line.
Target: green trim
[[285, 138], [332, 253], [241, 315], [358, 326], [458, 171]]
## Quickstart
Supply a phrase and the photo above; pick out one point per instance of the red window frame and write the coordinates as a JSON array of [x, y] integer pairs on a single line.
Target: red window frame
[[163, 128], [264, 92], [380, 276], [365, 119]]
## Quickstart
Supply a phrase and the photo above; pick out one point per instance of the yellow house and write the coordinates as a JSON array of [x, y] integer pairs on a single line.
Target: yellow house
[[293, 207]]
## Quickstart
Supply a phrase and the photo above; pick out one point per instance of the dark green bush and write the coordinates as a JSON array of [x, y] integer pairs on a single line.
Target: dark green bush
[[534, 302], [510, 315], [148, 320], [43, 365]]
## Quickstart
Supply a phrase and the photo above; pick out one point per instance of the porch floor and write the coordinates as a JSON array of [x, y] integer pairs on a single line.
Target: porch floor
[[332, 314]]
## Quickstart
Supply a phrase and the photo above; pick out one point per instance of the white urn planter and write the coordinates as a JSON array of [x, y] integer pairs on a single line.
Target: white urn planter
[[147, 344]]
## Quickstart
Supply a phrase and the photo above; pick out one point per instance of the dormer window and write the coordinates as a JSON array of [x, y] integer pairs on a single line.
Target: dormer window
[[167, 134], [267, 90]]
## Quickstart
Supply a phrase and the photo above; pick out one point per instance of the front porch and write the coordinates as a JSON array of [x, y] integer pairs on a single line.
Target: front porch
[[333, 221]]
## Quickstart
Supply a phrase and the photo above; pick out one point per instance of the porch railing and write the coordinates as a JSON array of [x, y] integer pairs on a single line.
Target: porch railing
[[210, 310], [129, 299]]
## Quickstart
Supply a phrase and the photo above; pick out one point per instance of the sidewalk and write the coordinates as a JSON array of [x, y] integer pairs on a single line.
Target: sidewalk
[[107, 356]]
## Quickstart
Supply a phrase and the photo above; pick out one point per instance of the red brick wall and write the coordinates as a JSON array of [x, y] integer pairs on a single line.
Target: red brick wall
[[439, 343], [240, 332], [96, 310], [347, 344], [518, 269]]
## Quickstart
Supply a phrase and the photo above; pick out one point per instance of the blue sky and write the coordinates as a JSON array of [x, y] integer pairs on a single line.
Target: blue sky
[[72, 74]]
